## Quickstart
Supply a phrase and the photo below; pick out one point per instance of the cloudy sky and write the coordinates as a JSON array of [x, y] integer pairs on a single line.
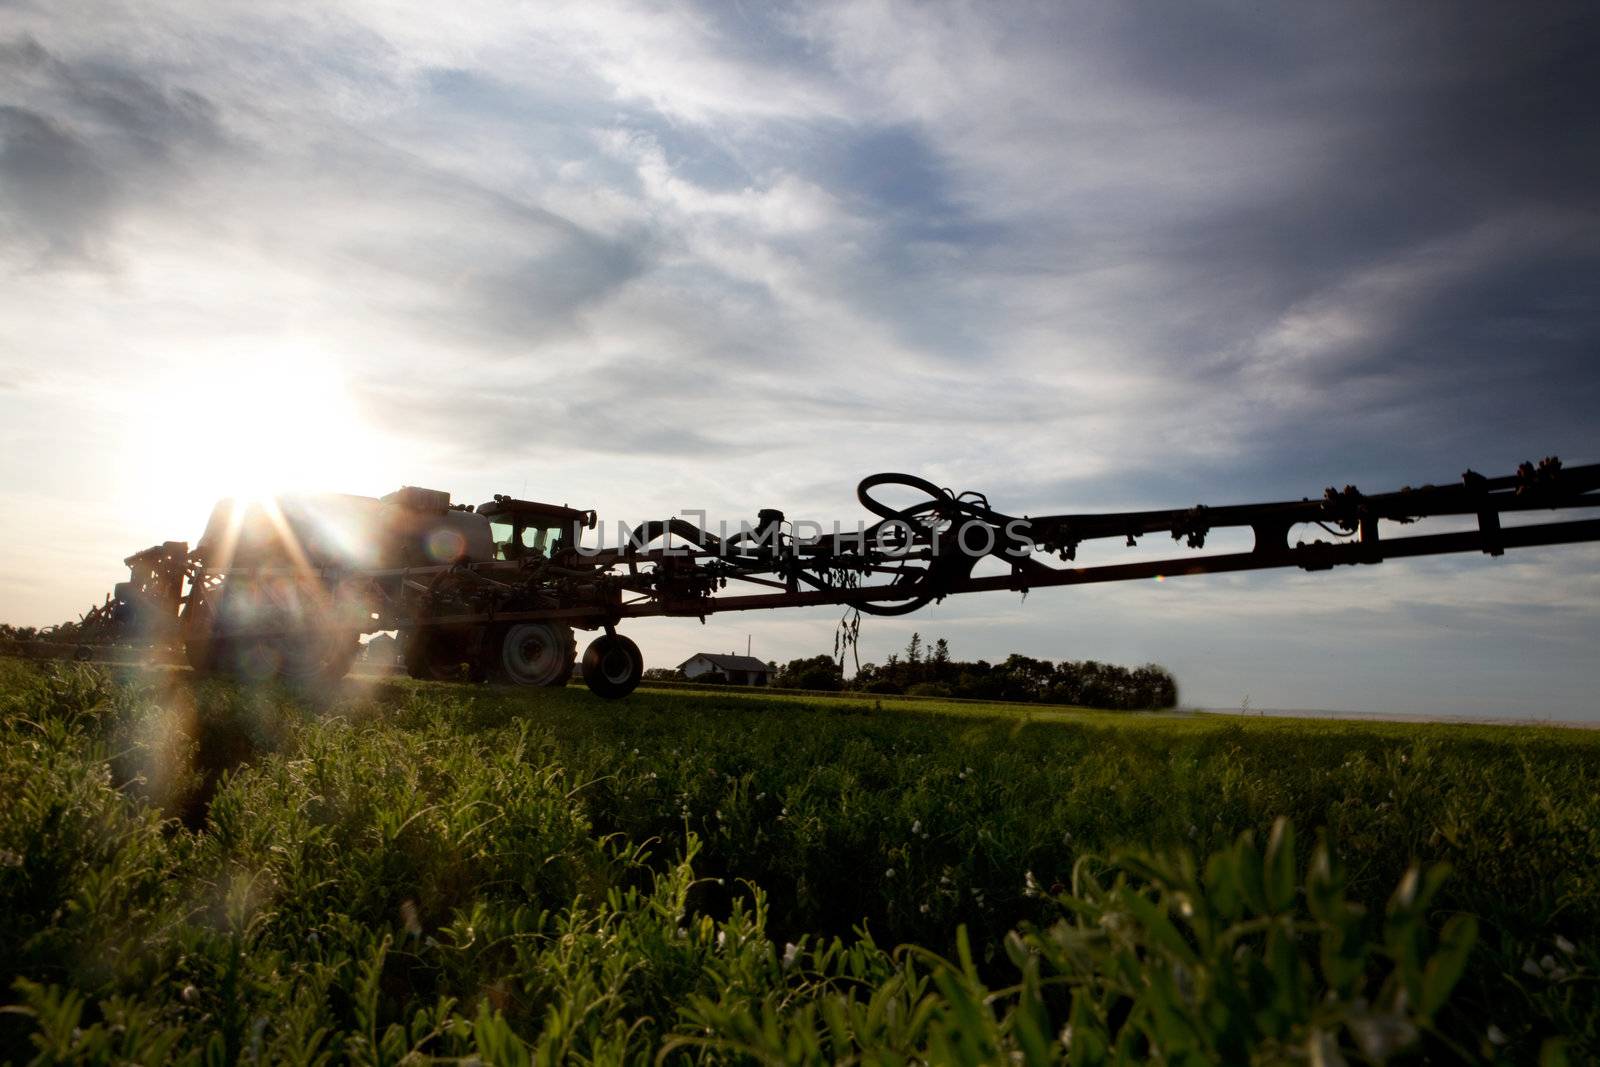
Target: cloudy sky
[[646, 258]]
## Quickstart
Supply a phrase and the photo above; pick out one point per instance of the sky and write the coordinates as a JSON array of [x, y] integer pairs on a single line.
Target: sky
[[647, 258]]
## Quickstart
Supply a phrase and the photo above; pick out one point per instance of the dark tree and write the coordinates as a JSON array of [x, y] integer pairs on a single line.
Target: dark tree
[[1087, 683], [817, 672]]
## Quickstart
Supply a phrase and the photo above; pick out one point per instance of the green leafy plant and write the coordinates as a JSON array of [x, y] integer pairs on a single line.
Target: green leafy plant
[[194, 872]]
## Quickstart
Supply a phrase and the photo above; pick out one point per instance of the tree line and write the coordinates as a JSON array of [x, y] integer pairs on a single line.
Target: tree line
[[67, 633], [928, 670]]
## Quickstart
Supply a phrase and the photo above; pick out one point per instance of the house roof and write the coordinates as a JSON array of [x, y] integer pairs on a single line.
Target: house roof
[[728, 663]]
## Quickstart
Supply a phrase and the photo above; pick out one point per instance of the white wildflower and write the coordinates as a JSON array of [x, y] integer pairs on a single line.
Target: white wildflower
[[1551, 969], [1495, 1035], [722, 938], [889, 873], [1184, 982], [1565, 946], [791, 952], [916, 826], [1529, 967], [1325, 1050], [1381, 1036], [923, 909]]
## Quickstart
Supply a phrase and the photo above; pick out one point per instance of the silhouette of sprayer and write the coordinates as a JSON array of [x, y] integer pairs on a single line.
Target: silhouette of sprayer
[[286, 586]]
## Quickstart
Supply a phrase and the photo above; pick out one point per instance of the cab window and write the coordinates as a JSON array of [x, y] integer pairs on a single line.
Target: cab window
[[502, 533], [542, 539]]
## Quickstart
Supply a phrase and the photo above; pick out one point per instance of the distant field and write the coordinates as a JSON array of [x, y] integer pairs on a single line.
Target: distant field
[[1030, 711], [192, 869]]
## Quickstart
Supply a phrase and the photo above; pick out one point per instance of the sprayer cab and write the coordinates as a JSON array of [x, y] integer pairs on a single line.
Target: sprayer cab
[[527, 529]]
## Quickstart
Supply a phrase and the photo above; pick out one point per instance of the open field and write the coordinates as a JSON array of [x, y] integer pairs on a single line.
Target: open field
[[188, 869]]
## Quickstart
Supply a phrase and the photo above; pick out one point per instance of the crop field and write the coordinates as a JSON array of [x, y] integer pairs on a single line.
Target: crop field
[[194, 871]]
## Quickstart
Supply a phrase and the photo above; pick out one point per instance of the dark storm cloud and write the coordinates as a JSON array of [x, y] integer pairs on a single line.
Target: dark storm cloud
[[668, 408], [1434, 121], [510, 280], [894, 175], [593, 411], [83, 142], [54, 197], [1403, 167], [523, 303], [1416, 285], [1360, 244]]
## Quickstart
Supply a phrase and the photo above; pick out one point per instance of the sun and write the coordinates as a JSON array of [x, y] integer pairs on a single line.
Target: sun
[[249, 424]]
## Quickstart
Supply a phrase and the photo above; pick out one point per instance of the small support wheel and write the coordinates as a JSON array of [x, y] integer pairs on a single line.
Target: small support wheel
[[612, 666]]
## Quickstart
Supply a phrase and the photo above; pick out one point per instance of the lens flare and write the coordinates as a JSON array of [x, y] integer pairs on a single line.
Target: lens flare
[[446, 545]]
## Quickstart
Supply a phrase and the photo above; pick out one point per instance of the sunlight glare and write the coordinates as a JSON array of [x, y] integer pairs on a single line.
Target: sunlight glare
[[248, 425]]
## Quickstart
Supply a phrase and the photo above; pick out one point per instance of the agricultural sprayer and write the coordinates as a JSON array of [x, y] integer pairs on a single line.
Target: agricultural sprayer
[[287, 586]]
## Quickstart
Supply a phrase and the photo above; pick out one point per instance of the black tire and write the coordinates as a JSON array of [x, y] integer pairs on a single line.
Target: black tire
[[317, 659], [210, 655], [434, 656], [612, 666], [204, 650], [212, 643], [531, 653]]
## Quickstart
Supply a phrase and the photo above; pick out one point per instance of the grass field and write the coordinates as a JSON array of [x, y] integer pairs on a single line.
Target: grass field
[[194, 870]]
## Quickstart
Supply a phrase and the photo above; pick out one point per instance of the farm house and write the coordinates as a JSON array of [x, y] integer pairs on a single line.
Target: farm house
[[740, 670]]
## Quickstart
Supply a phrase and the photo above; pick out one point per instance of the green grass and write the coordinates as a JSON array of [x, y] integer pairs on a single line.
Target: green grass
[[197, 870]]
